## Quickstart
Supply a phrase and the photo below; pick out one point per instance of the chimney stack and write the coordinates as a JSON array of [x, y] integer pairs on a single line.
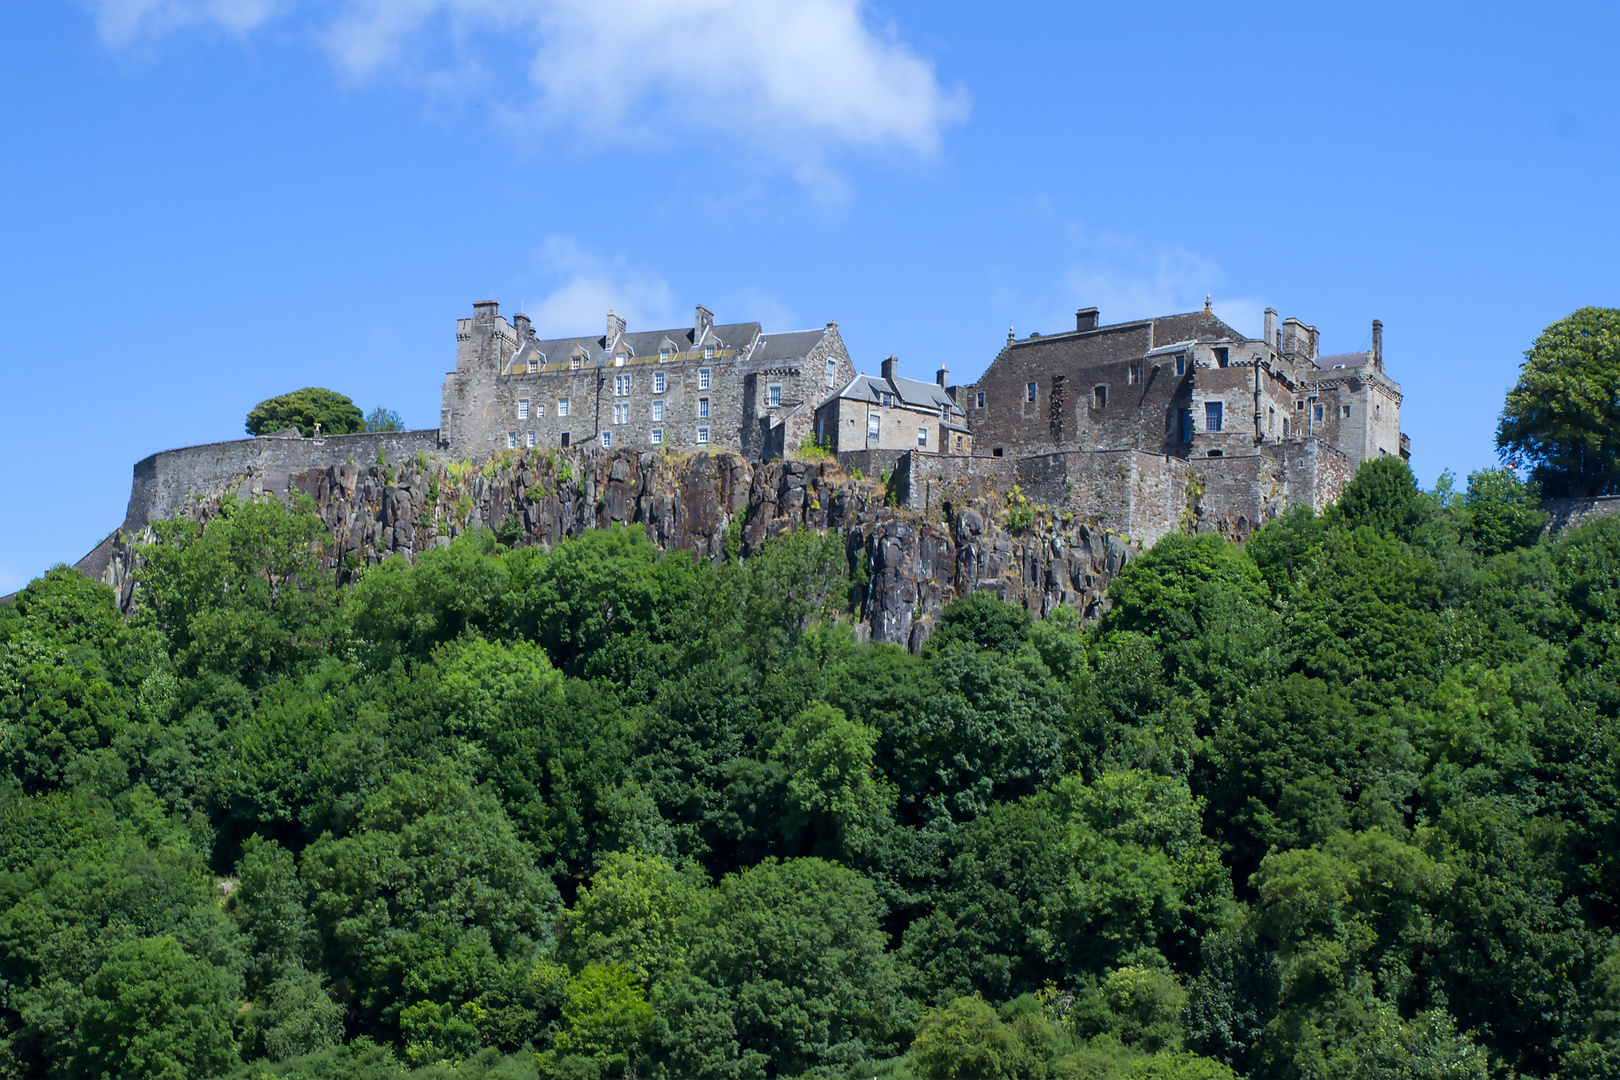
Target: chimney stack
[[1271, 327], [486, 310], [1378, 346], [942, 377], [702, 323], [525, 331], [1085, 319], [890, 364], [615, 328]]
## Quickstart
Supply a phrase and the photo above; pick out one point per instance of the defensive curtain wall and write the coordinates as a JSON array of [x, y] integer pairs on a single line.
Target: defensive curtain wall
[[906, 565]]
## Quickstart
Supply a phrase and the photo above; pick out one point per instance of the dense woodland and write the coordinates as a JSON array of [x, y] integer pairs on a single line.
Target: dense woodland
[[1338, 803]]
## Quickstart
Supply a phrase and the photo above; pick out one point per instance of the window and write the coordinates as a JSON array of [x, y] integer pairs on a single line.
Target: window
[[564, 440], [922, 437], [1299, 405], [1285, 427], [562, 406], [1186, 425], [607, 439], [1029, 392], [574, 362], [658, 436], [1220, 357], [1136, 374], [1212, 416], [1271, 420], [529, 439], [773, 396], [874, 426], [540, 408], [658, 410], [618, 359], [663, 356], [708, 352], [996, 452], [534, 365], [703, 435], [621, 386], [1099, 397], [658, 382], [959, 444], [1181, 365], [703, 408], [1316, 414], [888, 400], [511, 440], [1347, 412], [703, 378], [832, 372], [979, 399], [523, 408], [621, 413]]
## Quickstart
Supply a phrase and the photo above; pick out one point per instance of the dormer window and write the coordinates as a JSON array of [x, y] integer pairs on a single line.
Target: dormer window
[[618, 359], [888, 400], [663, 356], [1220, 358], [708, 352], [574, 362]]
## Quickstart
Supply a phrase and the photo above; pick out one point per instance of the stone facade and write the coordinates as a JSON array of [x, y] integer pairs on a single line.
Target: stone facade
[[707, 387], [893, 413], [904, 567], [1185, 386]]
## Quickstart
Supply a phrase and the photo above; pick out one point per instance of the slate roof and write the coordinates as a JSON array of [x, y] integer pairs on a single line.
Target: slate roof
[[1349, 360], [745, 338], [912, 392]]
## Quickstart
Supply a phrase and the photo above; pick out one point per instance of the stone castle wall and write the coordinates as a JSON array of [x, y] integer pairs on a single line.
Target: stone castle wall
[[172, 481], [906, 566]]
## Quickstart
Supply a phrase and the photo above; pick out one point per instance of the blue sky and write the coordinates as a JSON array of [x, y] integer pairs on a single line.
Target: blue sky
[[203, 204]]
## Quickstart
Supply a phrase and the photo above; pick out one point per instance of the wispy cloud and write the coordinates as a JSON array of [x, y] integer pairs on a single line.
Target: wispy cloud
[[797, 83], [124, 22], [591, 286], [1126, 280]]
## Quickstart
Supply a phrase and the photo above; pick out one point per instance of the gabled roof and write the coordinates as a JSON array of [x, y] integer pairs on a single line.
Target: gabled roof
[[909, 392], [744, 340], [1347, 360]]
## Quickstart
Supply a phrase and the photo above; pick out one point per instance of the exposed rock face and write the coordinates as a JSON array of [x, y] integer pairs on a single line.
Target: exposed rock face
[[906, 567]]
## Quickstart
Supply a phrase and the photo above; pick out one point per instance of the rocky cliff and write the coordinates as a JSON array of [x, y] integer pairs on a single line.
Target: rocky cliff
[[910, 564]]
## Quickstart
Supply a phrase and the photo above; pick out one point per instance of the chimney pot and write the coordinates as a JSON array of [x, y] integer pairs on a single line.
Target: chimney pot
[[1085, 319], [890, 364]]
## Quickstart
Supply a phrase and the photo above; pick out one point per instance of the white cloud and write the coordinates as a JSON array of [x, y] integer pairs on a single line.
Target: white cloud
[[591, 287], [795, 81], [1126, 282], [123, 22]]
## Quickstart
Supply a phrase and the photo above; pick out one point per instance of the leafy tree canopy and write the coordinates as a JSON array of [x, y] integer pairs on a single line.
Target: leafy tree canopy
[[303, 409], [1562, 418]]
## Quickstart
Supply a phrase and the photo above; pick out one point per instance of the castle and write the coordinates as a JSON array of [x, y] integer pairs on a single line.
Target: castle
[[705, 387], [1172, 423]]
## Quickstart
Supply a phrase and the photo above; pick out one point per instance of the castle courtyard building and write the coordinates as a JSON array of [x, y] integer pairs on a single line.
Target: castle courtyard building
[[893, 413], [708, 387], [1186, 386]]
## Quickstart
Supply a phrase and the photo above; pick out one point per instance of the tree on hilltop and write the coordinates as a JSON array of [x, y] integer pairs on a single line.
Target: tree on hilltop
[[303, 409], [1563, 417]]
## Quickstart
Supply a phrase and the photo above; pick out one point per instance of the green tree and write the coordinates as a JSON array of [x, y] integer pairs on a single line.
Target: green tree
[[151, 1011], [381, 419], [984, 619], [635, 913], [1562, 418], [303, 409], [1384, 496], [966, 1040], [606, 1018], [1498, 512]]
